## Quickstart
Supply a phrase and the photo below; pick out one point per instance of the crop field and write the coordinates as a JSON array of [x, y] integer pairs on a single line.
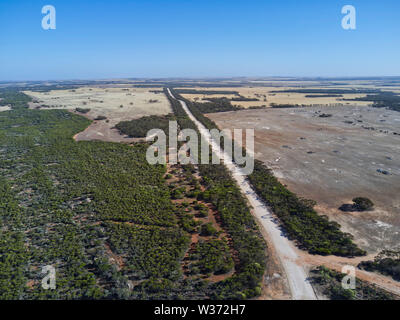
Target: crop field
[[332, 155]]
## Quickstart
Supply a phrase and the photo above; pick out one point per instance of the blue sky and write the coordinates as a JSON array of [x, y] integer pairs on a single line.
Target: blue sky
[[185, 38]]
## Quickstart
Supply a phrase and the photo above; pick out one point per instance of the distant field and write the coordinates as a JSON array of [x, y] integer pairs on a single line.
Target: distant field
[[135, 102], [267, 96]]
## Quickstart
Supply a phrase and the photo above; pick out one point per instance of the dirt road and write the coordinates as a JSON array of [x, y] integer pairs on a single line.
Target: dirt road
[[299, 284]]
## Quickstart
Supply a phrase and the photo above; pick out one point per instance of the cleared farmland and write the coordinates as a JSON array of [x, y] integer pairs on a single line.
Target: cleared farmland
[[270, 95], [331, 159], [107, 107]]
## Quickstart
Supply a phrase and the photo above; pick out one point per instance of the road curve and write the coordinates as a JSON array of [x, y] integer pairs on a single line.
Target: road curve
[[299, 284]]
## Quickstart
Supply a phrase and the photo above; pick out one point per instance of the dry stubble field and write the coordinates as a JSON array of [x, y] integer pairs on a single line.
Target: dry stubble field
[[332, 160], [267, 96]]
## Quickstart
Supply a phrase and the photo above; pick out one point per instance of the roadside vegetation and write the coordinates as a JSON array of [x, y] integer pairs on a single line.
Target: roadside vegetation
[[236, 220], [329, 283], [386, 263], [312, 232]]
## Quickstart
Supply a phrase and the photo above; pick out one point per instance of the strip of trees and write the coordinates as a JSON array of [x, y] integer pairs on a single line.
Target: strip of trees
[[311, 231]]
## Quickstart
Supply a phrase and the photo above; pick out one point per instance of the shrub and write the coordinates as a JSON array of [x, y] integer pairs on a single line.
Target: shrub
[[82, 110], [139, 127], [363, 204], [208, 229]]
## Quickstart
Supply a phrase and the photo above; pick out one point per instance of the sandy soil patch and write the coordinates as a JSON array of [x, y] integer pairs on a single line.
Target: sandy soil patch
[[4, 108]]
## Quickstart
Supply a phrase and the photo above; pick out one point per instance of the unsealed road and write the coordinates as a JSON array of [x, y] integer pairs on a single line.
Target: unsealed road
[[299, 284]]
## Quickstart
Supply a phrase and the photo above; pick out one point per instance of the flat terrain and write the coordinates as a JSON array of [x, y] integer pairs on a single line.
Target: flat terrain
[[267, 96], [332, 160], [115, 103]]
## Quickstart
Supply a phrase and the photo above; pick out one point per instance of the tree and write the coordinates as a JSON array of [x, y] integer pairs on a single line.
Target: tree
[[363, 204], [208, 229]]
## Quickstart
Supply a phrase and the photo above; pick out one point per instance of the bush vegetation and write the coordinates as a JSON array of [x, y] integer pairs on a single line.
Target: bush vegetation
[[323, 95], [329, 91], [363, 204], [102, 216], [237, 221], [14, 98], [241, 98], [82, 110], [386, 263], [207, 229], [390, 100], [330, 283], [215, 105], [213, 257], [206, 92], [63, 202], [140, 127]]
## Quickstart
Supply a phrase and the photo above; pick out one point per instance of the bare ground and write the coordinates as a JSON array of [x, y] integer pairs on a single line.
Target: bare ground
[[332, 160]]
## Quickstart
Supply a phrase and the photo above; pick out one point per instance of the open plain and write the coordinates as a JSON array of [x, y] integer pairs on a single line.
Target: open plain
[[268, 95]]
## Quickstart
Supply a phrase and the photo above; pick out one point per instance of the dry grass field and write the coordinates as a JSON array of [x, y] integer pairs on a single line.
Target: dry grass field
[[115, 103]]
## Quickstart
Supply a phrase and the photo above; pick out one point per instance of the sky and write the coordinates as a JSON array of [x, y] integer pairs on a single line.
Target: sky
[[98, 39]]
